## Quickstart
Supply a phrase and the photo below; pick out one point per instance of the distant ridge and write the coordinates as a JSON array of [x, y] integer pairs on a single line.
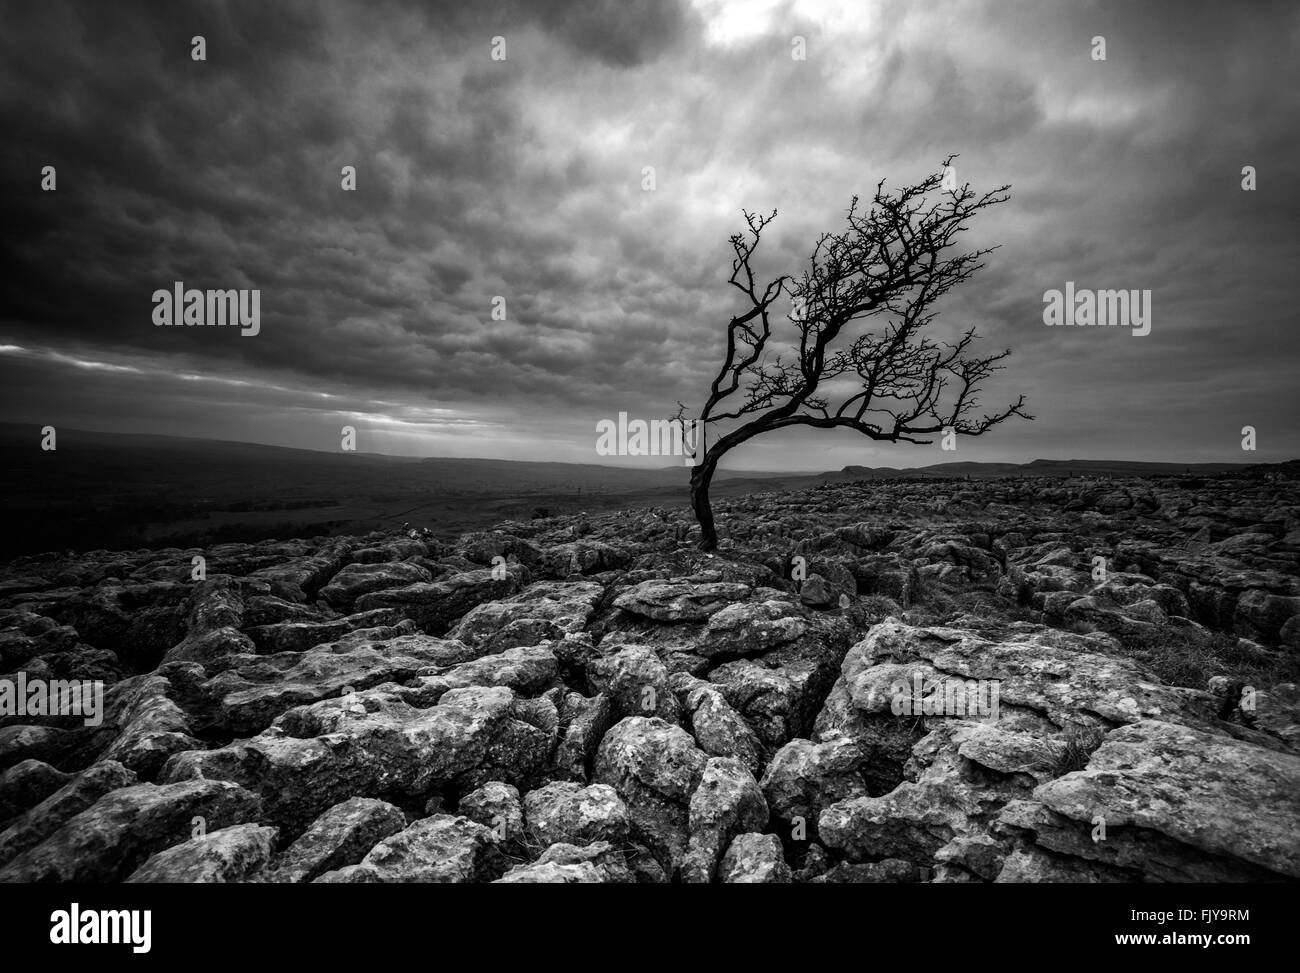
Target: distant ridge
[[1047, 467], [209, 452], [120, 491]]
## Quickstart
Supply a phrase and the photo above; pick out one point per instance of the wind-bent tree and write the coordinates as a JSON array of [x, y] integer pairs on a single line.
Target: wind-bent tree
[[893, 384]]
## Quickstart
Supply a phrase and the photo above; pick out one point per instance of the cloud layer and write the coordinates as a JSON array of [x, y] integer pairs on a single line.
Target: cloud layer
[[522, 178]]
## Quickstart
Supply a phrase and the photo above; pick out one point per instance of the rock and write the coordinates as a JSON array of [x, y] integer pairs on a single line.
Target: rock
[[718, 729], [1136, 619], [778, 703], [680, 601], [301, 635], [1261, 614], [300, 575], [1289, 634], [1033, 865], [115, 835], [751, 629], [482, 546], [81, 662], [341, 836], [393, 550], [655, 767], [355, 580], [27, 783], [441, 849], [890, 870], [257, 689], [153, 726], [321, 754], [636, 683], [47, 744], [215, 615], [234, 854], [754, 858], [887, 575], [1037, 675], [582, 557], [726, 803], [978, 855], [80, 792], [596, 863], [911, 822], [587, 721], [816, 862], [959, 774], [496, 806], [1218, 798], [817, 592], [1276, 711], [805, 778], [268, 611], [868, 536], [26, 635], [436, 606], [544, 611], [528, 671], [136, 622], [568, 813]]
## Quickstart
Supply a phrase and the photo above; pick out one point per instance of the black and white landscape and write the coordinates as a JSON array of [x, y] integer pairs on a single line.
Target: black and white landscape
[[649, 442]]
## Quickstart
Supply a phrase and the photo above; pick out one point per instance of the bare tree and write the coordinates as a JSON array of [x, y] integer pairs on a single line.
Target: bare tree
[[892, 262]]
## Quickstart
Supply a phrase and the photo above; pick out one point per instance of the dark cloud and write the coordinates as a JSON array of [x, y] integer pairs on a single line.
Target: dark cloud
[[623, 33], [521, 179]]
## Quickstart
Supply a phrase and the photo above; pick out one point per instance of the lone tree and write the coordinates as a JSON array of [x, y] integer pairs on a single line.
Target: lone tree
[[892, 262]]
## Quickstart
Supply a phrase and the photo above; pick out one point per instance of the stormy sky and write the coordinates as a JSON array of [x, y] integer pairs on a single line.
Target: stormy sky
[[523, 178]]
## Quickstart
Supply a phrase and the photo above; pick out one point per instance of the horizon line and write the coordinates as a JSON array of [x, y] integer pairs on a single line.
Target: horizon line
[[645, 468]]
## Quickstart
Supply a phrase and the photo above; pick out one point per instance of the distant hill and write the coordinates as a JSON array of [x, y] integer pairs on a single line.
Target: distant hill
[[219, 464], [123, 491], [1043, 467]]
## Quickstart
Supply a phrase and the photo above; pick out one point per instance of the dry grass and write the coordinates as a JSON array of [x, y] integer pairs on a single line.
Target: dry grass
[[1182, 657], [1080, 744]]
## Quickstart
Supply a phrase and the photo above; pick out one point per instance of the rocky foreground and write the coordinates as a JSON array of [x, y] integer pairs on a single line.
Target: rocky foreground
[[593, 700]]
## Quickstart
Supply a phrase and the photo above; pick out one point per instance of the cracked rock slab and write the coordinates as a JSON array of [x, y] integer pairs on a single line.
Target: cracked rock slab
[[680, 601], [234, 854], [115, 835], [444, 849], [1220, 795], [340, 837]]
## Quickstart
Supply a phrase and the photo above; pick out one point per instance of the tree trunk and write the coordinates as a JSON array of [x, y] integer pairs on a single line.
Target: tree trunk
[[700, 477]]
